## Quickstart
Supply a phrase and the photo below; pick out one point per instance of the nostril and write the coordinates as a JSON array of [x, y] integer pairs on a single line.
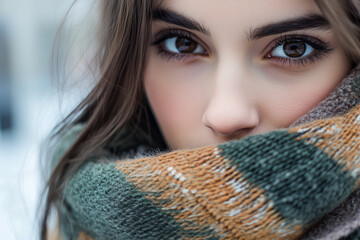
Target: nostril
[[231, 123], [230, 133], [239, 132]]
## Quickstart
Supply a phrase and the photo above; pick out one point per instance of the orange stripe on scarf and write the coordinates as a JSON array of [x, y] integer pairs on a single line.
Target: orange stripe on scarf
[[208, 192], [339, 137]]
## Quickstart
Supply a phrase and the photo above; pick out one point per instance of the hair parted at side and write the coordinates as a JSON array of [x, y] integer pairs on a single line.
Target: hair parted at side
[[118, 97]]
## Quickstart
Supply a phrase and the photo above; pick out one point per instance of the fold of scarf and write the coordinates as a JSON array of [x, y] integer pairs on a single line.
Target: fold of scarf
[[283, 184], [346, 218]]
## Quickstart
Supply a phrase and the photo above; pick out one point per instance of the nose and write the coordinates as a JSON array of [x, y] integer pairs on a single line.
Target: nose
[[230, 110], [226, 117]]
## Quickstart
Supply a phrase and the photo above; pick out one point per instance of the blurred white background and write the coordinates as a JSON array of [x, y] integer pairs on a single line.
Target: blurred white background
[[31, 100]]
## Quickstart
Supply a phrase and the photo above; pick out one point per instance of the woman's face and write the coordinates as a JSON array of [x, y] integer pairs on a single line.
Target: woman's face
[[222, 70]]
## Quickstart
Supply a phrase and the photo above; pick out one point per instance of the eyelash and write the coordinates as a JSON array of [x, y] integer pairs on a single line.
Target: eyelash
[[162, 36], [321, 49]]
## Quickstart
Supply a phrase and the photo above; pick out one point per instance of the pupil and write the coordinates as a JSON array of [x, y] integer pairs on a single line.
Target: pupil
[[294, 48], [185, 45]]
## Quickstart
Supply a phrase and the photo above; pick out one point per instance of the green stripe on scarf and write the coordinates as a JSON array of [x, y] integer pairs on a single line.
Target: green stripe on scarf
[[301, 180], [105, 211]]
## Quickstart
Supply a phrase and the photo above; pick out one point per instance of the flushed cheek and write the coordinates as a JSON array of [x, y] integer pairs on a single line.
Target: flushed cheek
[[298, 94], [284, 110], [177, 99]]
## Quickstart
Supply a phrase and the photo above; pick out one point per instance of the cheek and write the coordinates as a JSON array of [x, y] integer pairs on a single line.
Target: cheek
[[287, 107], [169, 102], [294, 95], [176, 96]]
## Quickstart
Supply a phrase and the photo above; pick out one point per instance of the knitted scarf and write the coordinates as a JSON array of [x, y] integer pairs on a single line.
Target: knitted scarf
[[296, 183]]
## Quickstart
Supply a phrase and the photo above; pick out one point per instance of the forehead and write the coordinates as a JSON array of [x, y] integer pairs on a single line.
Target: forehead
[[240, 15]]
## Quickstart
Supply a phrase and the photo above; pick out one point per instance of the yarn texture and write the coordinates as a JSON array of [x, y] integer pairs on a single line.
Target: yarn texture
[[296, 183]]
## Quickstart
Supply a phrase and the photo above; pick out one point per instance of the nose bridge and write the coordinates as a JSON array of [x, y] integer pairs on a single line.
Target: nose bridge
[[231, 107], [230, 77]]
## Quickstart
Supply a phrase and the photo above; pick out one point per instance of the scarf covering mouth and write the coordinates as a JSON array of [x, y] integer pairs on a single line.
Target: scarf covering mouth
[[286, 184]]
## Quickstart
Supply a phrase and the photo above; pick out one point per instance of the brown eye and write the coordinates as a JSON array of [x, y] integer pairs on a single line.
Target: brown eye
[[185, 45], [182, 45], [294, 49]]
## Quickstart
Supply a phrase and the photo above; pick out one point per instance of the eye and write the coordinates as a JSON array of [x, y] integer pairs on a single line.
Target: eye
[[183, 45], [179, 46], [292, 49]]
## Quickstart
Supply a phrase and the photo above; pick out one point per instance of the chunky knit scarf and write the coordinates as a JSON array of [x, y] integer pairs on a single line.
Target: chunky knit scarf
[[295, 183]]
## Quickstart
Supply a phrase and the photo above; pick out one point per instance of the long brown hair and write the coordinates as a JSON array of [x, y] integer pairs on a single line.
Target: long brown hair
[[113, 102], [118, 98]]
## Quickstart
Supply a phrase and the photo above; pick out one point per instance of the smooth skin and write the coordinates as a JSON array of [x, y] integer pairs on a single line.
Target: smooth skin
[[217, 81]]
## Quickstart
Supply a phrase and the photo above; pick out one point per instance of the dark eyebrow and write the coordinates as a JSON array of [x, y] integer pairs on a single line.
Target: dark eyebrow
[[177, 19], [311, 21]]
